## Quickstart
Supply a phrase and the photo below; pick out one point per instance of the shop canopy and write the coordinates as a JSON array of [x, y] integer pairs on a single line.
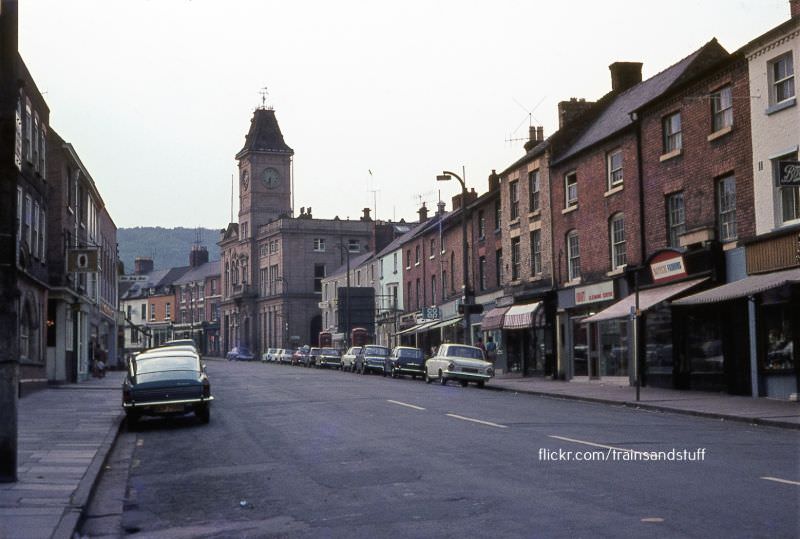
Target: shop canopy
[[445, 323], [748, 286], [419, 327], [647, 298], [520, 316], [493, 319]]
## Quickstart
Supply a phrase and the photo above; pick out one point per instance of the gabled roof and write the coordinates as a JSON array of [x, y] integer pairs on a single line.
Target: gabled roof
[[138, 287], [200, 273], [616, 115], [354, 263], [400, 240], [264, 135], [173, 274], [530, 155]]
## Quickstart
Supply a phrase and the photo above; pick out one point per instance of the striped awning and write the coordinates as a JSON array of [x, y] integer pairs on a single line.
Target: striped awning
[[445, 323], [493, 319], [520, 316], [754, 284], [419, 327]]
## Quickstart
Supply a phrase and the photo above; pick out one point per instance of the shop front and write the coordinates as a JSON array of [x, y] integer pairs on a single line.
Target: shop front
[[492, 332], [524, 330], [760, 321], [578, 347]]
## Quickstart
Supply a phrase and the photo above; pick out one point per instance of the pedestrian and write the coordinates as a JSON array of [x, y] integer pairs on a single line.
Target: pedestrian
[[491, 349], [481, 345]]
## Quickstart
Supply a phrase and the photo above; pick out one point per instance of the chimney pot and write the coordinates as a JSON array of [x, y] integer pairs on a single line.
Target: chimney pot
[[423, 213]]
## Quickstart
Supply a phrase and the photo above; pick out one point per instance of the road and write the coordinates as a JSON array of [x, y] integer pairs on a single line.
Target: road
[[317, 453]]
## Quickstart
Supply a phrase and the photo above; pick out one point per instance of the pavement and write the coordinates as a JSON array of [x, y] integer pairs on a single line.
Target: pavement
[[66, 433]]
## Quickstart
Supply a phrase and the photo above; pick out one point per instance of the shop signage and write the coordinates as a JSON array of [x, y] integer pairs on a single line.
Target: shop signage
[[595, 292], [83, 260], [431, 313], [789, 173], [667, 265]]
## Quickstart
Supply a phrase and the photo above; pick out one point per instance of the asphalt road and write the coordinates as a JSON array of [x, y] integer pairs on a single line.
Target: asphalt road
[[316, 453]]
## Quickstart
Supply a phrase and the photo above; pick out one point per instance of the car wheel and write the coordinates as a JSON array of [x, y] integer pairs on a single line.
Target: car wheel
[[413, 376], [463, 383], [133, 419], [481, 384], [442, 379], [203, 413], [427, 378]]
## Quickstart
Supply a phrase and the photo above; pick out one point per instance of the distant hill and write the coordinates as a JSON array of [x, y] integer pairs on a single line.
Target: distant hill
[[168, 247]]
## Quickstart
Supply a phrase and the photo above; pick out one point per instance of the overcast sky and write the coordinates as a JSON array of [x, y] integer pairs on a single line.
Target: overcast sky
[[157, 95]]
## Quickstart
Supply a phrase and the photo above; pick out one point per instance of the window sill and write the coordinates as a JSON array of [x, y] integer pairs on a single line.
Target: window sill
[[671, 155], [416, 264], [781, 106], [730, 244], [719, 133], [574, 282], [614, 190], [535, 278], [570, 209], [431, 257], [535, 214], [617, 271]]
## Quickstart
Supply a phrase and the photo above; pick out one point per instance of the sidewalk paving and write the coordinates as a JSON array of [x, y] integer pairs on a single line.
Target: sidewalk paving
[[760, 411], [66, 432], [64, 435]]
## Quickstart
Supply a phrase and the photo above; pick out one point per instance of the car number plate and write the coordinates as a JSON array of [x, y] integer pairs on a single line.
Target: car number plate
[[469, 370], [169, 408]]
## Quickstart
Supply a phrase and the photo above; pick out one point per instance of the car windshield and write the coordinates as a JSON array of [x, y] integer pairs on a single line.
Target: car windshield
[[376, 351], [167, 363], [410, 353], [329, 351], [464, 351]]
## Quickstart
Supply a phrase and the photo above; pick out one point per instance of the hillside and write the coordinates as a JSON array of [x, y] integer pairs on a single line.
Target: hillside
[[168, 247]]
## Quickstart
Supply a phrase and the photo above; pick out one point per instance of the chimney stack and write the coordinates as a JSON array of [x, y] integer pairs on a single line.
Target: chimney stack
[[142, 265], [535, 136], [423, 213], [440, 205], [625, 75], [794, 8], [366, 216], [198, 256], [569, 110], [494, 180]]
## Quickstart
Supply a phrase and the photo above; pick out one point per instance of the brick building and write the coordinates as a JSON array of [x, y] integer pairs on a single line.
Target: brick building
[[197, 297]]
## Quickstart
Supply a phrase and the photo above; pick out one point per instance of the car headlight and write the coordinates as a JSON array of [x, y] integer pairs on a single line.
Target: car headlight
[[451, 366], [490, 371]]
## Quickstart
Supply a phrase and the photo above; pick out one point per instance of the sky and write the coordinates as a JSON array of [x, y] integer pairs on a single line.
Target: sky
[[376, 98]]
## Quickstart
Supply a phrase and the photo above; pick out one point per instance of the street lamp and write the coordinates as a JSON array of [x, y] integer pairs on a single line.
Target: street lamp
[[447, 176]]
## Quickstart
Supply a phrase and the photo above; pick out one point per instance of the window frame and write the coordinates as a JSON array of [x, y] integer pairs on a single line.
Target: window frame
[[573, 255], [672, 137], [775, 82], [516, 258], [616, 238], [721, 108], [570, 180], [536, 252], [675, 228], [726, 213], [513, 199], [319, 245], [534, 186], [612, 179]]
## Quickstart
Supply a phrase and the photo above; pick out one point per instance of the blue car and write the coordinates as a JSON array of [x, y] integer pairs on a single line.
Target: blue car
[[240, 353]]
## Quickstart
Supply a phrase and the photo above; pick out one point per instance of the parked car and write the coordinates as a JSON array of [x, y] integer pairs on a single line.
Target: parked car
[[285, 355], [459, 362], [406, 360], [311, 357], [240, 353], [181, 342], [329, 357], [269, 355], [373, 358], [349, 358], [299, 356], [166, 381]]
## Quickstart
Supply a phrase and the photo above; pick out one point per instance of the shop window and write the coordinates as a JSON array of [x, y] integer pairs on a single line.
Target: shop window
[[780, 339], [788, 195], [705, 345], [614, 347]]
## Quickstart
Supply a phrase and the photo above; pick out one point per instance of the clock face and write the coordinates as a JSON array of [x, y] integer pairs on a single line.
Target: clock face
[[270, 177], [245, 180]]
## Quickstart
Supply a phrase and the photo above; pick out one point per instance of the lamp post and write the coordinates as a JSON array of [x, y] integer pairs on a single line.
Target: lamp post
[[446, 176]]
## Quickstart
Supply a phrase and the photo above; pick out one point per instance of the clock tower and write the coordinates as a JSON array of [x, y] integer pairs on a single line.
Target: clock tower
[[265, 183]]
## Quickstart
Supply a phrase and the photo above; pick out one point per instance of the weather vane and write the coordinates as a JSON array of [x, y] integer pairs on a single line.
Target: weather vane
[[264, 93]]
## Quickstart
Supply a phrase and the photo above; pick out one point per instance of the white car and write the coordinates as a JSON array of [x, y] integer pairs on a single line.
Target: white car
[[459, 362], [269, 355]]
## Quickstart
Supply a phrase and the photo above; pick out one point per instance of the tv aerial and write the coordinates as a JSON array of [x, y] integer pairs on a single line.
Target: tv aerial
[[529, 117]]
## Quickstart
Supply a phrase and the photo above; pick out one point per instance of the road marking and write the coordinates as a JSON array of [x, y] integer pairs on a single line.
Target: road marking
[[652, 519], [593, 444], [490, 424], [779, 480], [405, 404], [140, 442]]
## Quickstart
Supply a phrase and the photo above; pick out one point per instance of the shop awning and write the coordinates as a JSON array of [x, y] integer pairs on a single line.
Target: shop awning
[[647, 298], [748, 286], [493, 319], [520, 316], [417, 328], [445, 323]]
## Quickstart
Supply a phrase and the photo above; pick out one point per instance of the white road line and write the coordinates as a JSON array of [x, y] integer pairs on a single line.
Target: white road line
[[405, 404], [477, 421], [593, 444], [778, 480]]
